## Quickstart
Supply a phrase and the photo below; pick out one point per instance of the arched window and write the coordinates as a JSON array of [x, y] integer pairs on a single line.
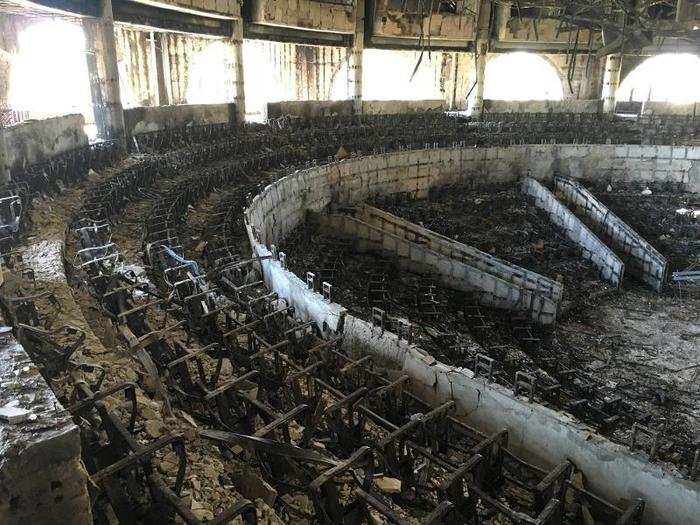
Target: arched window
[[212, 74], [670, 77], [386, 75], [521, 76], [340, 89], [49, 75]]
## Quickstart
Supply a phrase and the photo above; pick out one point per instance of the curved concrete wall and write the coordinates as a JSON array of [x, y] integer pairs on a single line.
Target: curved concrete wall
[[541, 434]]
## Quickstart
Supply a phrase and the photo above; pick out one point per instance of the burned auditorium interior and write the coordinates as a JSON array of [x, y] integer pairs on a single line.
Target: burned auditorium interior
[[349, 262]]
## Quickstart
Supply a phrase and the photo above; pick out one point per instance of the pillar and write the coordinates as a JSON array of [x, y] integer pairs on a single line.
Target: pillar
[[4, 168], [683, 11], [101, 51], [453, 82], [476, 104], [611, 81], [481, 47], [239, 94], [157, 72], [355, 58]]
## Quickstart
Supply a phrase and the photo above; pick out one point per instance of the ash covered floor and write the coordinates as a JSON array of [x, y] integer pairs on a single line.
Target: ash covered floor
[[499, 220]]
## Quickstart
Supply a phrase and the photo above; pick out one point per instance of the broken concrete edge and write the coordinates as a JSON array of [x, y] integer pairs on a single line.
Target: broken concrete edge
[[540, 434], [609, 265], [47, 447], [308, 304], [467, 254], [492, 291], [644, 260]]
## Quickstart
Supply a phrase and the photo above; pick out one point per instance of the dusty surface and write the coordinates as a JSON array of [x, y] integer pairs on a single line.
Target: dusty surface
[[22, 386], [648, 348]]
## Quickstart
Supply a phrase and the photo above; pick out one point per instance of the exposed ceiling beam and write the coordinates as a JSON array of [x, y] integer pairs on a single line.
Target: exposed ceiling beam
[[60, 7], [295, 36], [173, 7], [139, 14]]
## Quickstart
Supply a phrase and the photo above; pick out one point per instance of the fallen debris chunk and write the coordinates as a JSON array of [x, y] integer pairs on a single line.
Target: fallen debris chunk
[[253, 487], [199, 510], [690, 212], [388, 485], [154, 428], [14, 415]]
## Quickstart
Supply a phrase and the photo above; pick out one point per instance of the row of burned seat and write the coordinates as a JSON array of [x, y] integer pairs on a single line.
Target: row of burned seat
[[47, 177], [99, 263], [205, 313], [173, 363], [595, 128], [121, 466], [223, 242], [580, 393]]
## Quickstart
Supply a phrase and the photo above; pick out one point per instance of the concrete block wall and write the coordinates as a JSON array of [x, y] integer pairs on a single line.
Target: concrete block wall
[[544, 106], [450, 248], [145, 119], [491, 291], [667, 108], [388, 107], [640, 257], [609, 265], [35, 141], [42, 479], [321, 108], [309, 108], [622, 162]]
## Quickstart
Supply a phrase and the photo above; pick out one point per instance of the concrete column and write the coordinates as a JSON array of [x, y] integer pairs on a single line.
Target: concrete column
[[453, 81], [476, 102], [611, 81], [4, 168], [683, 11], [483, 27], [157, 73], [101, 51], [239, 98], [355, 58], [165, 89]]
